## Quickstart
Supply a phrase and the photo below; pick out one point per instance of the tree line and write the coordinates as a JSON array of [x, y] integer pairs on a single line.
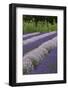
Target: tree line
[[36, 19]]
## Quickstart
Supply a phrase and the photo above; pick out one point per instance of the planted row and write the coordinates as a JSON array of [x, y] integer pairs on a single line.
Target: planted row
[[34, 57]]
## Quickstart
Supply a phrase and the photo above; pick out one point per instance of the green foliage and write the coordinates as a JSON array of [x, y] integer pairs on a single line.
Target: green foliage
[[46, 25]]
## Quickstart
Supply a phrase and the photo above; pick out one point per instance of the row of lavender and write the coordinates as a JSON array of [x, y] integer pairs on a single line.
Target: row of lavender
[[36, 46]]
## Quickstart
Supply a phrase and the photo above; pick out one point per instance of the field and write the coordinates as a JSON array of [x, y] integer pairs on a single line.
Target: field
[[39, 44]]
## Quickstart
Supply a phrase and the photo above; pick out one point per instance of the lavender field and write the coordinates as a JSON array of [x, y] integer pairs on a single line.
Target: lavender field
[[40, 47], [40, 53]]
